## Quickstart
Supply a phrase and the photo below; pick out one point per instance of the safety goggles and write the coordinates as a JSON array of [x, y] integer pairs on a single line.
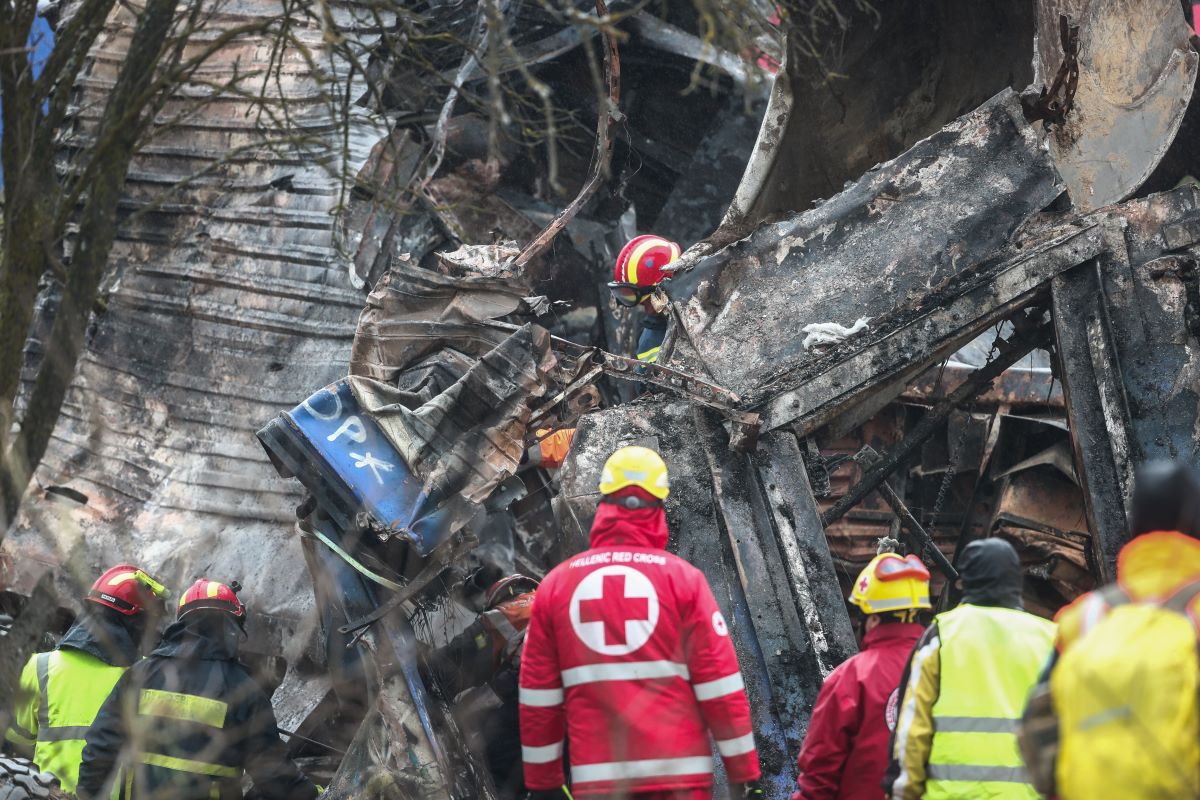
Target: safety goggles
[[891, 569], [630, 295]]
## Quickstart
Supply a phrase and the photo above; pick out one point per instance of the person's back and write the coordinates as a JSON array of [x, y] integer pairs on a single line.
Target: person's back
[[192, 717], [966, 688], [1119, 715], [627, 654], [846, 746], [61, 691]]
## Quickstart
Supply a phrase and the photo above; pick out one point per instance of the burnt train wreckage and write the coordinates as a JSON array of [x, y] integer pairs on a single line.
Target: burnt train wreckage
[[1009, 227]]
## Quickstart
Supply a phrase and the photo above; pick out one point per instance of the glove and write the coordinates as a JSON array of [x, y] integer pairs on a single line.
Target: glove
[[748, 791]]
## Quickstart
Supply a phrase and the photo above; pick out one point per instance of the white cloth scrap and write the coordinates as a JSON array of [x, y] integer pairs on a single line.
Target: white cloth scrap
[[825, 333]]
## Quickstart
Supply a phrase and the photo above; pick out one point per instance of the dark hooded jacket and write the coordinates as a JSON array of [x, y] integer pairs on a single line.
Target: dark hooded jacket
[[991, 574], [191, 719], [105, 634]]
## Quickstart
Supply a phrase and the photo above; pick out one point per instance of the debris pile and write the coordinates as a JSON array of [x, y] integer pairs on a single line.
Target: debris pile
[[982, 335]]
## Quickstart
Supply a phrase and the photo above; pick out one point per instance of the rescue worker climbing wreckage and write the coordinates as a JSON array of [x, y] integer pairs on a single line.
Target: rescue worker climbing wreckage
[[964, 690], [638, 277], [628, 656], [190, 718], [1118, 716], [61, 692], [846, 747], [488, 652]]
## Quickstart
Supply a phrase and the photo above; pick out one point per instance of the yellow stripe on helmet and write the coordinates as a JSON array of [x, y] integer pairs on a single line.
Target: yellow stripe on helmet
[[635, 258]]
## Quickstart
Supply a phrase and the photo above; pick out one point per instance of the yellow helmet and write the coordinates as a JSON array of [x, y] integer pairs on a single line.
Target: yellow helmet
[[891, 582], [635, 466]]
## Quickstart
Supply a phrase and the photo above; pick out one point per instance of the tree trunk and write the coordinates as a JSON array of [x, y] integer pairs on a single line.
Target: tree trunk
[[117, 136]]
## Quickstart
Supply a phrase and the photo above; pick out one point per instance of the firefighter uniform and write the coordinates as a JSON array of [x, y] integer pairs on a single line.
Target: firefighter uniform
[[191, 717], [60, 692]]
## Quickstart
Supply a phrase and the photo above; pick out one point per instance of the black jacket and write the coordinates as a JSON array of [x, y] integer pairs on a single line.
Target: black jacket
[[191, 717], [105, 634]]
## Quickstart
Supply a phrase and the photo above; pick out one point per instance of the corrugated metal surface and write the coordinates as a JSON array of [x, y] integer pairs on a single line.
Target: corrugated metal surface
[[229, 302]]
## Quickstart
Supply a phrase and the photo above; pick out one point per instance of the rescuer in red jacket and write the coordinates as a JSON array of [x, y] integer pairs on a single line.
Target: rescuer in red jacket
[[627, 656], [846, 749]]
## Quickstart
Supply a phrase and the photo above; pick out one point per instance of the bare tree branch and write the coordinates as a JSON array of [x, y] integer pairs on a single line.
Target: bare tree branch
[[601, 157]]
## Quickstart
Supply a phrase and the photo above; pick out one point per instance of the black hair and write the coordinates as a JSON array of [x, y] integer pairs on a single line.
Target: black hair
[[1166, 497]]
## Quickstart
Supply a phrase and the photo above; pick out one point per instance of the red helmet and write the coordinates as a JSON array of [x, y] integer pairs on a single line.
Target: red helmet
[[641, 261], [212, 595], [126, 589], [509, 587]]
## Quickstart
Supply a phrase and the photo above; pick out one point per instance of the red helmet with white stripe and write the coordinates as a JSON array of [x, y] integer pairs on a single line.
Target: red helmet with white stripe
[[206, 594], [641, 261], [126, 589]]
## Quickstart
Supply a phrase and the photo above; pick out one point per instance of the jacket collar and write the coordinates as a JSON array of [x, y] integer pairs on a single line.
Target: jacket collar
[[616, 526], [899, 632], [201, 636], [98, 634]]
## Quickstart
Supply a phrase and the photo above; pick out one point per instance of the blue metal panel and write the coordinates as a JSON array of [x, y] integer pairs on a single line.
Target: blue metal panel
[[346, 461]]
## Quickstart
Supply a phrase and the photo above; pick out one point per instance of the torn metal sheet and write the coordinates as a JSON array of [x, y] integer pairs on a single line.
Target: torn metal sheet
[[749, 522], [889, 75], [1137, 70], [909, 226]]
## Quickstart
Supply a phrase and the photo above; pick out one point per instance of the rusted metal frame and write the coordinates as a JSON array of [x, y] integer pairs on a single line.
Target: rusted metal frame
[[1017, 348], [834, 386], [696, 389], [1097, 411], [1053, 104], [869, 457]]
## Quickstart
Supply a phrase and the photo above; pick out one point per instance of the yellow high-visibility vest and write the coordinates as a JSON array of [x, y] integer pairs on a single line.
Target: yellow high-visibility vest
[[990, 659], [61, 693]]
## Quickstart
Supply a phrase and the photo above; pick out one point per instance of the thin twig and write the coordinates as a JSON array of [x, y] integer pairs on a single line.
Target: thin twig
[[601, 157]]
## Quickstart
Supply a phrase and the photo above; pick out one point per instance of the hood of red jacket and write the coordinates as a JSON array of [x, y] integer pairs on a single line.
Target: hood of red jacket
[[617, 526]]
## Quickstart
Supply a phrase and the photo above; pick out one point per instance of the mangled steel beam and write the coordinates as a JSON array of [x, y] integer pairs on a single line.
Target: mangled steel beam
[[1126, 331], [749, 522]]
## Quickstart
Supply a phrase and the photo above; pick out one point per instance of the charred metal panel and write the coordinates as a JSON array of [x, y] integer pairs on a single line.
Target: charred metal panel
[[1127, 330], [884, 362], [943, 207], [749, 522]]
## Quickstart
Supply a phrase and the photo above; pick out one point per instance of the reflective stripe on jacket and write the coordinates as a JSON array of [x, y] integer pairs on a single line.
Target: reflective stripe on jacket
[[191, 719], [59, 696], [628, 656], [968, 682]]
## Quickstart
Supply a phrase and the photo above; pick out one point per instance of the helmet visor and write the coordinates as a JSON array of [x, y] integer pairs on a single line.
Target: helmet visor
[[891, 569], [629, 295]]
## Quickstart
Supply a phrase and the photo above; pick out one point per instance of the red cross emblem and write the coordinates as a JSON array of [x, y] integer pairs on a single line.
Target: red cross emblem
[[864, 584], [614, 609]]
